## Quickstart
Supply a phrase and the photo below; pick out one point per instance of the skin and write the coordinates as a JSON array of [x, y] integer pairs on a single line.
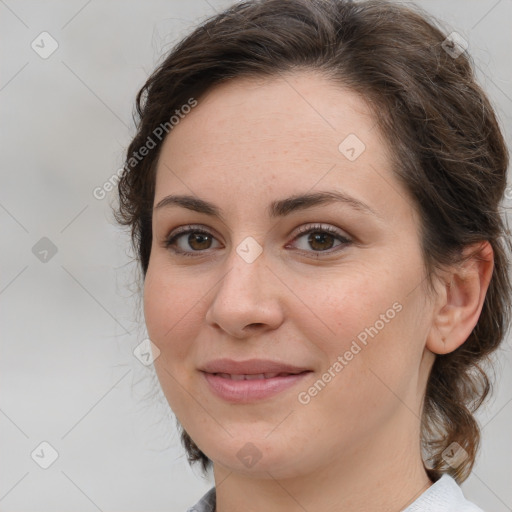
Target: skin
[[355, 445]]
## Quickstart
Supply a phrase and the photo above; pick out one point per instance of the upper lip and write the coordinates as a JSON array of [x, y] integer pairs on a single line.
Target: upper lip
[[250, 367]]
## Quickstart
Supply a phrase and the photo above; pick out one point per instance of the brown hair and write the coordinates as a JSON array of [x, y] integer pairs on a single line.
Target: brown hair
[[448, 152]]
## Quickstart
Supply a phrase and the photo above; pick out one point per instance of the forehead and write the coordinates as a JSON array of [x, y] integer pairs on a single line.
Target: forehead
[[300, 110], [290, 132]]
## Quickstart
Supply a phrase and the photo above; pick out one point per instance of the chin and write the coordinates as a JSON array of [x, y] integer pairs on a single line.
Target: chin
[[264, 468], [257, 457]]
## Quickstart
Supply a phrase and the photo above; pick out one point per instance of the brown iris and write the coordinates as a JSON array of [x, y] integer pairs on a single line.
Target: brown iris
[[200, 238], [319, 238]]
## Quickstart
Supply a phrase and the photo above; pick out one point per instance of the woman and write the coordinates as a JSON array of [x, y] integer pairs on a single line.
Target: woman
[[313, 193]]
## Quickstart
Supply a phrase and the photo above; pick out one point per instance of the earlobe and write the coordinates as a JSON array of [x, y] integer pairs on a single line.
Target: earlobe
[[460, 299]]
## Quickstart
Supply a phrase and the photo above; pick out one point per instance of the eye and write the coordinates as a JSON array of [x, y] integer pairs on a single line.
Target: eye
[[320, 238], [198, 239]]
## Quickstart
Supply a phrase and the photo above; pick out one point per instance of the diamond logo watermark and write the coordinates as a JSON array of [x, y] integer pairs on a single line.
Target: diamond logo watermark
[[249, 455], [44, 455], [455, 45], [44, 45], [249, 249], [454, 455], [44, 250], [352, 147], [146, 352]]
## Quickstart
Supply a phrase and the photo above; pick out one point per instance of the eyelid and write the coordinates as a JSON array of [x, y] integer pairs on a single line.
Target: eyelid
[[189, 228], [320, 227]]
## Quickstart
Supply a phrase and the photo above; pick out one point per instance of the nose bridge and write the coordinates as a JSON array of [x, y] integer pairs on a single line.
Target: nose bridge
[[246, 294], [246, 269]]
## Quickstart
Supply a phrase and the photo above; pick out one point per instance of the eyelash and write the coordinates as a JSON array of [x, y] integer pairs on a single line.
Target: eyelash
[[171, 239]]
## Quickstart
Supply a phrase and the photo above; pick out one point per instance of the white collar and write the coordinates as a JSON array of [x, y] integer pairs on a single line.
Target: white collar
[[445, 495]]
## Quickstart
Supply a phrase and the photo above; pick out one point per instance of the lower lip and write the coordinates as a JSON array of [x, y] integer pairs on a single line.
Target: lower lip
[[244, 391]]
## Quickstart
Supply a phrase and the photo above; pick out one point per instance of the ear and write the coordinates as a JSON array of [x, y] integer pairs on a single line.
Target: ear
[[460, 299]]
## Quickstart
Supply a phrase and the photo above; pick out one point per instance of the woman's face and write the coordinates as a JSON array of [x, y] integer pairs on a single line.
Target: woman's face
[[345, 302]]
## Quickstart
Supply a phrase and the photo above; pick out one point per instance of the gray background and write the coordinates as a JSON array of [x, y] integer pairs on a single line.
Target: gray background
[[69, 325]]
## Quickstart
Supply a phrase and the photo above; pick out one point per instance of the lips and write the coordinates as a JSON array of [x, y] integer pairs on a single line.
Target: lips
[[243, 382]]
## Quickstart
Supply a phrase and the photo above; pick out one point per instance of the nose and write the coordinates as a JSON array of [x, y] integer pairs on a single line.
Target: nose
[[247, 298]]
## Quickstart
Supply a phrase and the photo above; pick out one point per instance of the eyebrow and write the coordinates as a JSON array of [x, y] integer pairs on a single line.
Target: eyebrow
[[279, 208]]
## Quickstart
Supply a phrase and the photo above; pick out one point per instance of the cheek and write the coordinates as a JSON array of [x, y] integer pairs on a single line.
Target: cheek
[[172, 315], [347, 304], [372, 325], [172, 312]]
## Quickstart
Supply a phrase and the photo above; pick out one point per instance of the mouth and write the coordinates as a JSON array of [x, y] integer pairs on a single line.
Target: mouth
[[249, 388]]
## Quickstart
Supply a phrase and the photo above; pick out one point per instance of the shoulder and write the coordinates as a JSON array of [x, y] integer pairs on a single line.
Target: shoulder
[[206, 503], [445, 495]]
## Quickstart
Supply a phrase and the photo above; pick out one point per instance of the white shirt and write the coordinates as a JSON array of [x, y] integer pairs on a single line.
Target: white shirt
[[445, 495]]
